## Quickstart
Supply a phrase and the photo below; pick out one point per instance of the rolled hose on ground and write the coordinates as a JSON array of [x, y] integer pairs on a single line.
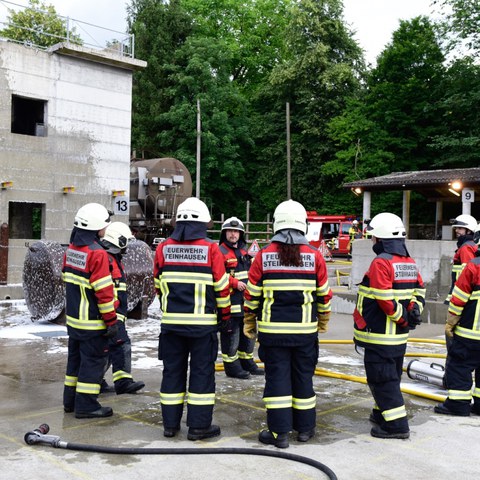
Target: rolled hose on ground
[[39, 436]]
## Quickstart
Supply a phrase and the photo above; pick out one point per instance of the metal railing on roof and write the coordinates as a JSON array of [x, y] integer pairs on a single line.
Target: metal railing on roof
[[91, 36]]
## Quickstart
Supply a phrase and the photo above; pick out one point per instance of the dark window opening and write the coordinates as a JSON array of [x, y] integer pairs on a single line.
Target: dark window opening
[[25, 220], [29, 116]]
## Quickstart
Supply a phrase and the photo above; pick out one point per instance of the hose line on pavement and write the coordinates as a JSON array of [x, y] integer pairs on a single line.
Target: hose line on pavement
[[39, 436]]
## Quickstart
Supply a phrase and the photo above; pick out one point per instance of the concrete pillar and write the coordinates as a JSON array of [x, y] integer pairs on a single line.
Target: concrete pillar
[[367, 204], [466, 208], [406, 209], [438, 218]]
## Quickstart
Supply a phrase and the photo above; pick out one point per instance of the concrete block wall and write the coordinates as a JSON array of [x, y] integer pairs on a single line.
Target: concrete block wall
[[87, 144]]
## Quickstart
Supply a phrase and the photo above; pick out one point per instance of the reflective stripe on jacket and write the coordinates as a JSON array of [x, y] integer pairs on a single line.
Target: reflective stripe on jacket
[[192, 285], [287, 299], [391, 283], [89, 287], [465, 302], [237, 270]]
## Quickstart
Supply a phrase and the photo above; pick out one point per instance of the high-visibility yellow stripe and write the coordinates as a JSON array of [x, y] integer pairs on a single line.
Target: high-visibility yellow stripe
[[278, 402], [221, 284], [85, 324], [460, 394], [394, 413], [304, 403], [201, 398], [189, 319], [89, 388], [102, 283], [187, 277], [244, 355], [172, 398], [467, 333], [241, 275], [119, 374], [380, 338], [287, 327], [70, 381], [290, 284], [228, 359]]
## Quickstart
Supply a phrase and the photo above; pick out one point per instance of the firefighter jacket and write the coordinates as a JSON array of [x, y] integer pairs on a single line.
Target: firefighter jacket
[[192, 286], [237, 263], [120, 286], [465, 303], [287, 299], [465, 252], [89, 288], [391, 285]]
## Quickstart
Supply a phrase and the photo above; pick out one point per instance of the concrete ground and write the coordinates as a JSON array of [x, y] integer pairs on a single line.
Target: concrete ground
[[31, 383]]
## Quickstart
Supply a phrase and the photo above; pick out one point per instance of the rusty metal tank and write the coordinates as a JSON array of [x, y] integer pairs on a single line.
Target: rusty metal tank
[[157, 187]]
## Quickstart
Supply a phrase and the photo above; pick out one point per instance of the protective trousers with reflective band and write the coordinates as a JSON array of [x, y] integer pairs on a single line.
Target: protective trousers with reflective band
[[288, 395], [236, 345], [383, 378], [86, 363], [462, 361], [174, 350], [121, 358]]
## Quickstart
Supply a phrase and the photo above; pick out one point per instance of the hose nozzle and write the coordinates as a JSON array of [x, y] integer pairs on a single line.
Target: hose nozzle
[[39, 435]]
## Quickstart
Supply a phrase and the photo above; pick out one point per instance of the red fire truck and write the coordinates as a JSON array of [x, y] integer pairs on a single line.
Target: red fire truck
[[332, 229]]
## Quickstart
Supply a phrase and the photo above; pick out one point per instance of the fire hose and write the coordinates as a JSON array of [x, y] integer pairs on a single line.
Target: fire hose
[[39, 436]]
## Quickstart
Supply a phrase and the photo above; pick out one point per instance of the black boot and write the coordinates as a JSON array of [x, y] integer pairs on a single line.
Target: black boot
[[280, 440], [128, 387], [201, 433], [235, 370], [250, 366]]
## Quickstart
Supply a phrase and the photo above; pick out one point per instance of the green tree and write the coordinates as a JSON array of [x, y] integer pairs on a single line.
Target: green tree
[[461, 23], [459, 110], [321, 67], [39, 25]]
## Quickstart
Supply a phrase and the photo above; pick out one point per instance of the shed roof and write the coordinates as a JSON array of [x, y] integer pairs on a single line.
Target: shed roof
[[433, 184]]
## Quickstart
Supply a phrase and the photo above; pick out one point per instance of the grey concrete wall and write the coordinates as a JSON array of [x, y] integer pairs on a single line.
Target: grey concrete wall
[[87, 144]]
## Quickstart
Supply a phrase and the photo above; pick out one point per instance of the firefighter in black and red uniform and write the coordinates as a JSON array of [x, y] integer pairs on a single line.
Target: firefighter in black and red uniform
[[237, 349], [288, 292], [193, 290], [390, 301], [115, 242], [463, 328], [90, 312], [464, 226]]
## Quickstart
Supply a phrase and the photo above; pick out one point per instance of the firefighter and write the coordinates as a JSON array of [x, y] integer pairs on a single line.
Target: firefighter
[[464, 226], [237, 349], [288, 292], [390, 301], [115, 242], [90, 312], [193, 290], [463, 331], [354, 232]]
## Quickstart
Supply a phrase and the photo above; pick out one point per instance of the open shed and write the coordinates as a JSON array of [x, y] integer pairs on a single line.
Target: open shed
[[460, 185]]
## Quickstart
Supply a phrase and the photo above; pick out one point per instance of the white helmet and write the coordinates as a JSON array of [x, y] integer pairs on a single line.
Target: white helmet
[[233, 223], [290, 214], [355, 222], [465, 221], [193, 210], [117, 234], [92, 216], [386, 225]]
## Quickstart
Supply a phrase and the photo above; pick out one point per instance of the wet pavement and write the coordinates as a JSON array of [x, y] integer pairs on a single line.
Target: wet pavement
[[32, 367]]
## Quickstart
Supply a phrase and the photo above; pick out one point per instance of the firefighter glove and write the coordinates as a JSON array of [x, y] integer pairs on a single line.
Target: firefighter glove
[[250, 325], [414, 317], [112, 331], [322, 322], [452, 320]]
